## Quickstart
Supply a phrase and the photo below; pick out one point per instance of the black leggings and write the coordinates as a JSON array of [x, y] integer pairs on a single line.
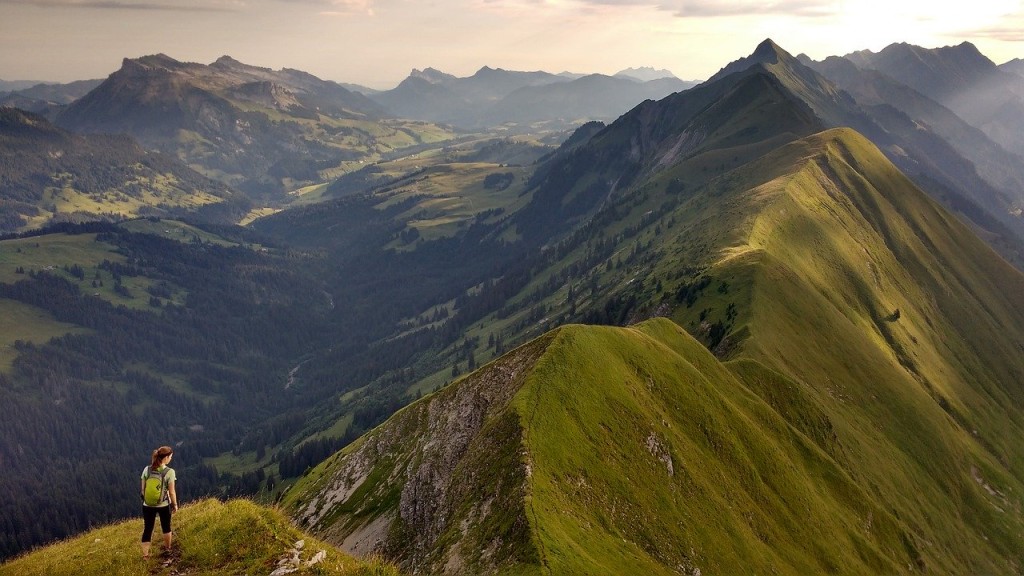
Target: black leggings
[[149, 519]]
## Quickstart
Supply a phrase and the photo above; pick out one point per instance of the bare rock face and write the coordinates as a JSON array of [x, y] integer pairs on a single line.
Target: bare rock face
[[417, 488]]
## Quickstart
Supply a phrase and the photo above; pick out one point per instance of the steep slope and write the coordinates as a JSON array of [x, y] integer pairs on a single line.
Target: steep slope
[[213, 538], [709, 128], [261, 130], [868, 420], [601, 451], [918, 326], [830, 103], [922, 151], [964, 80], [49, 174]]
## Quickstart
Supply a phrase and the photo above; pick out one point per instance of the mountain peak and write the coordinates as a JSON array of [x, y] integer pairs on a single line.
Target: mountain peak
[[485, 71], [160, 60], [226, 61], [432, 75], [963, 54], [644, 74], [1015, 66], [149, 63], [768, 51]]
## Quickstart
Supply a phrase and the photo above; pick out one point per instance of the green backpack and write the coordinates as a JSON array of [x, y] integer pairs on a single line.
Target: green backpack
[[156, 489]]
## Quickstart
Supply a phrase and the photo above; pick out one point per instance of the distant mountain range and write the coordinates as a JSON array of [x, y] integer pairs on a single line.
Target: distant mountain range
[[43, 98], [249, 127], [495, 96], [266, 132], [962, 79], [879, 92], [12, 85], [644, 74]]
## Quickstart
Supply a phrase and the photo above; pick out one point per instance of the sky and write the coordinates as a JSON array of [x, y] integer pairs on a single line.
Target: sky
[[376, 43]]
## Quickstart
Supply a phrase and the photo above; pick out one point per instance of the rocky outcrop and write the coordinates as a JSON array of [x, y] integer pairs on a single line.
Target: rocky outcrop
[[419, 488]]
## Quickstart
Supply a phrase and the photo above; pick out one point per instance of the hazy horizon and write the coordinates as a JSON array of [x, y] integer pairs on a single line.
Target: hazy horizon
[[377, 43]]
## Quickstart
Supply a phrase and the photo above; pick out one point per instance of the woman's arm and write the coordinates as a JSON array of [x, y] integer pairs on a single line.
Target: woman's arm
[[174, 496], [142, 490]]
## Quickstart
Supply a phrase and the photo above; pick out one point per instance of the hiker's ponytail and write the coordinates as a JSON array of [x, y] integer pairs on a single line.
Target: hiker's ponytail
[[158, 455]]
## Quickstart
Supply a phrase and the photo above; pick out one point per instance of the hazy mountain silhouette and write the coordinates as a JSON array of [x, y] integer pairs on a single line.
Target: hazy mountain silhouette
[[964, 80], [495, 96]]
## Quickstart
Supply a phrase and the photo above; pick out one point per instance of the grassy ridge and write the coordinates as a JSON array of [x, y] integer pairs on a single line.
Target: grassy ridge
[[237, 537], [865, 422], [664, 459], [641, 451], [924, 397]]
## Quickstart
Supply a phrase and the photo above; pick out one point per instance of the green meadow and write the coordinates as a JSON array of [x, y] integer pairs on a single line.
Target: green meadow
[[21, 322]]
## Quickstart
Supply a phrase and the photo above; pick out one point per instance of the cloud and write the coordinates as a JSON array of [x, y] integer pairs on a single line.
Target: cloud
[[1007, 28], [120, 5], [337, 7], [718, 8], [691, 8], [1003, 33]]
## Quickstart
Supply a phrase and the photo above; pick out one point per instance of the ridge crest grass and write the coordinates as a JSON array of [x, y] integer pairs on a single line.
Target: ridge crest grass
[[211, 538]]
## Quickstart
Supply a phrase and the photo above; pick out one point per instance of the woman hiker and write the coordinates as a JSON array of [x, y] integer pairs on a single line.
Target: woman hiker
[[158, 497]]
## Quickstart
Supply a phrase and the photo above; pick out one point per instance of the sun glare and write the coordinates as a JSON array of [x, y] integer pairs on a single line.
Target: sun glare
[[874, 24]]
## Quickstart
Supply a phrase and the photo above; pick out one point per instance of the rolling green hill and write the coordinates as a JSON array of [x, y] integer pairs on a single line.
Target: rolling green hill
[[865, 420], [51, 175], [236, 537]]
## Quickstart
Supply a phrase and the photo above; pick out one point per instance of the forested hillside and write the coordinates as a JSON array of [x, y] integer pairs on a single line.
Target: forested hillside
[[190, 343], [216, 341]]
